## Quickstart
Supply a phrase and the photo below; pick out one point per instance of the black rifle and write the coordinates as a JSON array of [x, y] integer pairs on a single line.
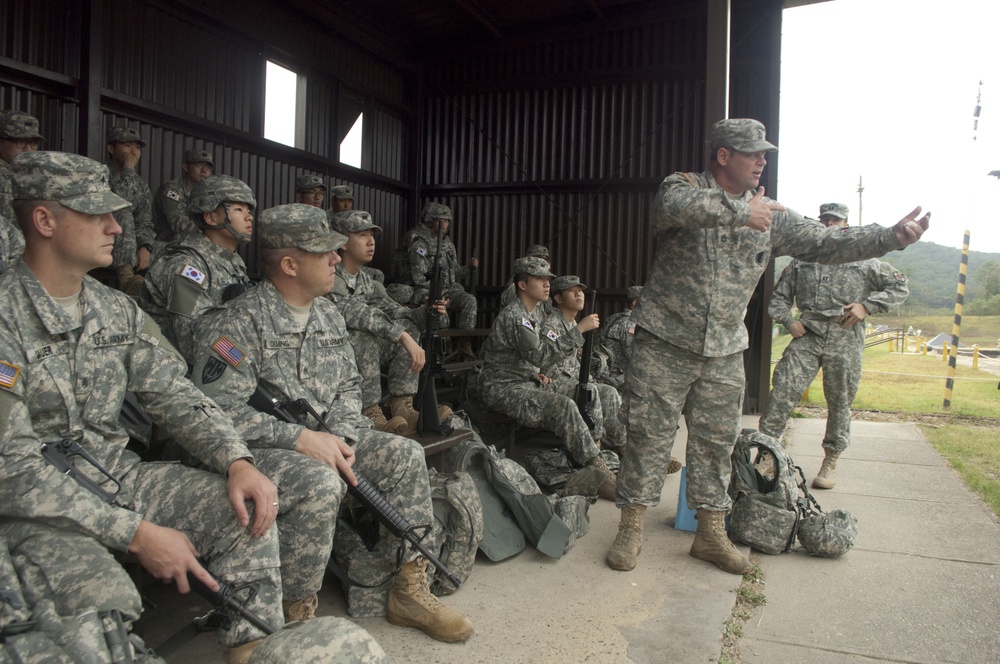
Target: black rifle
[[365, 492], [224, 601], [586, 394], [426, 397]]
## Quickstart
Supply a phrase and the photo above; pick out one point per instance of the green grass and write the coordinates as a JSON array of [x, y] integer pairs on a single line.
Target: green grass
[[982, 330], [974, 453]]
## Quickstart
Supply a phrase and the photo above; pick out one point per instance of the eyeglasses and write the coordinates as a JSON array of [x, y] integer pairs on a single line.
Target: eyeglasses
[[23, 143]]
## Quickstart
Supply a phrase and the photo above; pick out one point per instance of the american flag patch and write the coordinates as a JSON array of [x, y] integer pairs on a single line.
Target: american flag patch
[[8, 374], [527, 323], [229, 352], [551, 334], [194, 274]]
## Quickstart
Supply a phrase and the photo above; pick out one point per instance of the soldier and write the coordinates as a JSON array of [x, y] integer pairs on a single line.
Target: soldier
[[510, 293], [569, 299], [834, 301], [284, 334], [616, 339], [134, 246], [342, 198], [309, 189], [384, 333], [422, 248], [196, 272], [516, 364], [18, 133], [170, 217], [65, 334], [715, 233]]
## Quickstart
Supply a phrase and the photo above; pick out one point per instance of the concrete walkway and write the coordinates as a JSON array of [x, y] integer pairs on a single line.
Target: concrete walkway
[[921, 585]]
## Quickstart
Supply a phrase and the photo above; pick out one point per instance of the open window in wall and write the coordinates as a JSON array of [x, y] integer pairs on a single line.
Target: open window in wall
[[284, 92], [352, 120]]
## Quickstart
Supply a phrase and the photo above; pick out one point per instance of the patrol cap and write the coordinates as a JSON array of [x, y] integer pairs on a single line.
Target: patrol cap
[[632, 292], [532, 265], [353, 221], [838, 210], [18, 124], [342, 192], [538, 250], [560, 284], [79, 183], [124, 135], [436, 211], [192, 156], [309, 181], [740, 134], [297, 225]]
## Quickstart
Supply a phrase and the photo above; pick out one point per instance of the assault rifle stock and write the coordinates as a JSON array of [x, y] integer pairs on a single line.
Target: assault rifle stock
[[365, 492], [586, 395]]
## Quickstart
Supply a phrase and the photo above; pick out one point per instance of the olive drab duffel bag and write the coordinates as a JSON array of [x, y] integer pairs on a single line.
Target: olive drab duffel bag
[[772, 506]]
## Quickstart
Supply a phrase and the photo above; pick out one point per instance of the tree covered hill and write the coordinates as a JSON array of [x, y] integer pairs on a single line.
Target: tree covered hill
[[932, 270]]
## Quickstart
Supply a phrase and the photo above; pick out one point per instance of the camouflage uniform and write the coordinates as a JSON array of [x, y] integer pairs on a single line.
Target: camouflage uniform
[[67, 380], [170, 216], [608, 429], [421, 252], [316, 364], [137, 221], [512, 355], [821, 292], [509, 293], [189, 277], [15, 125], [614, 339], [687, 351]]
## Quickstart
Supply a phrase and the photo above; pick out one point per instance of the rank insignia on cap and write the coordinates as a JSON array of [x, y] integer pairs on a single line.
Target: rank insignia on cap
[[421, 251], [527, 323], [194, 274], [8, 374], [229, 351], [173, 194], [551, 334]]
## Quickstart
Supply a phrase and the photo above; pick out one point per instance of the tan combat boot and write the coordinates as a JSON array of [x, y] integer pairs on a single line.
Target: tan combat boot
[[411, 604], [300, 610], [827, 474], [628, 543], [403, 407], [374, 413], [129, 282], [712, 544], [610, 484], [241, 654], [674, 466]]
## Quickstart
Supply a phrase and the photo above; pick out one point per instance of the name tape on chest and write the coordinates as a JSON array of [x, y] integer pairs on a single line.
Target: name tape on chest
[[194, 274], [229, 351]]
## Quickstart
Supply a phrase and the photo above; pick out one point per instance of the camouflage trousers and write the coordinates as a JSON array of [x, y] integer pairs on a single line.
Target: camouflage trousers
[[838, 353], [609, 428], [309, 495], [373, 355], [662, 381], [546, 408], [83, 575], [462, 309]]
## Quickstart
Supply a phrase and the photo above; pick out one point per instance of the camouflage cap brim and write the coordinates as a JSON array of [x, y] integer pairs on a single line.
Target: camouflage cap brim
[[97, 203], [323, 244]]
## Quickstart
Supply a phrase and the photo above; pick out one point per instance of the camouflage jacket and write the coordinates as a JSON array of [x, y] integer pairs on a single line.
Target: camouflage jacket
[[188, 277], [821, 291], [11, 238], [514, 351], [366, 307], [170, 218], [615, 338], [137, 222], [706, 262], [255, 338], [421, 252], [60, 380]]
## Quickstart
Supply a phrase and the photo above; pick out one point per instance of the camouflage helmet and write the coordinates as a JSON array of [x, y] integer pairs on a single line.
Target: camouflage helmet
[[829, 535], [436, 211], [321, 640], [215, 190]]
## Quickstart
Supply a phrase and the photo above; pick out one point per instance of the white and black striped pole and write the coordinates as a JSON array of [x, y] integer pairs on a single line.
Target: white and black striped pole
[[956, 327]]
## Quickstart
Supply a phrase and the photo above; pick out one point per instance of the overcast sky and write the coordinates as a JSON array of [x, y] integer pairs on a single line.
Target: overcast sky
[[885, 90]]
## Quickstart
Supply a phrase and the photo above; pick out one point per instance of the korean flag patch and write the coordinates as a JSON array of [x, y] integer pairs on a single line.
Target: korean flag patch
[[421, 251], [194, 274], [527, 323], [173, 194], [551, 334]]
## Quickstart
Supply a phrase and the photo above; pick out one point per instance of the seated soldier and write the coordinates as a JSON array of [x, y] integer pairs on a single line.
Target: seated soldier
[[196, 272], [384, 333], [509, 294], [287, 337], [569, 299], [615, 339], [515, 361], [69, 350], [422, 247], [310, 189]]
